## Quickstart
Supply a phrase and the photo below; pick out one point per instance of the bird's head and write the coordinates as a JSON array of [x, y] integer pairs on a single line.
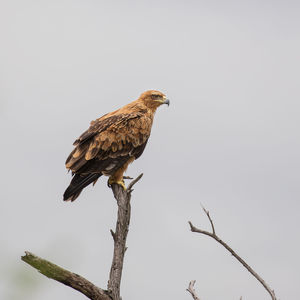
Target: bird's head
[[153, 99]]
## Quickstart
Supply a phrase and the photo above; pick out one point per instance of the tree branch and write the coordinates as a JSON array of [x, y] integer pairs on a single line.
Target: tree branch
[[119, 236], [215, 237], [66, 277], [123, 200]]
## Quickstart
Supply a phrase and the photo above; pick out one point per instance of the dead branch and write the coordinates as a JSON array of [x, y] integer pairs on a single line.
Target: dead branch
[[215, 237], [192, 291], [81, 284], [119, 236], [66, 277]]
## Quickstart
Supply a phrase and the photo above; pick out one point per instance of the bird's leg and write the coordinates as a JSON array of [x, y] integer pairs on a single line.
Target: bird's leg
[[118, 177], [113, 179]]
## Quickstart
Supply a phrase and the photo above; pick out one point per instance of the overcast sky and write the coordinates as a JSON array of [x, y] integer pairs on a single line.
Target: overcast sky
[[229, 140]]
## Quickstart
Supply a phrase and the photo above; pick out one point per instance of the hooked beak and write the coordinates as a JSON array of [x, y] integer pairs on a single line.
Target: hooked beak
[[167, 101]]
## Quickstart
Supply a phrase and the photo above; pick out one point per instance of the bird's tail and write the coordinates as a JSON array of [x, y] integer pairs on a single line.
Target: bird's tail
[[77, 184]]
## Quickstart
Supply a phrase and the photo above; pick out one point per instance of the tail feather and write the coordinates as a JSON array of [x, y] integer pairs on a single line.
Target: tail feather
[[77, 184]]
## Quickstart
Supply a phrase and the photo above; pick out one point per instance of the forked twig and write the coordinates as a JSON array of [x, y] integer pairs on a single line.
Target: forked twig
[[133, 182], [210, 220], [192, 291]]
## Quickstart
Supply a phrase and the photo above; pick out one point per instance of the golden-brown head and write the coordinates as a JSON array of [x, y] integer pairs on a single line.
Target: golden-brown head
[[153, 99]]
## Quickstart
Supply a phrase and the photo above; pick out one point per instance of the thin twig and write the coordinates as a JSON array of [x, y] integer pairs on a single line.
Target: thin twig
[[133, 182], [192, 291], [210, 220], [215, 237], [66, 277]]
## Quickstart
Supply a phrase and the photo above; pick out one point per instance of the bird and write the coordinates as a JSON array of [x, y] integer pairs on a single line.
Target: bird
[[111, 143]]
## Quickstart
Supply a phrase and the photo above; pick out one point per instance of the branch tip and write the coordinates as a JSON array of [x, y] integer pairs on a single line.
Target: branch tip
[[113, 234], [133, 182], [192, 227]]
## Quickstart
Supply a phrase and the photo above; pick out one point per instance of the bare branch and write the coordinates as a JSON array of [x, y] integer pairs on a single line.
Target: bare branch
[[66, 277], [119, 235], [192, 291], [123, 200], [243, 262]]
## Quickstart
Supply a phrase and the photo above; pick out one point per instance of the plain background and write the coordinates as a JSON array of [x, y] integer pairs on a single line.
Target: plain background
[[229, 140]]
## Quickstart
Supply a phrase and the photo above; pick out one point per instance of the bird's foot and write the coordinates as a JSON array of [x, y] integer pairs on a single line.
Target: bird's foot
[[121, 182]]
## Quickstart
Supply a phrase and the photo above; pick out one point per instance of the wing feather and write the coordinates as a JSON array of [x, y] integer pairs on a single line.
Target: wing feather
[[110, 141]]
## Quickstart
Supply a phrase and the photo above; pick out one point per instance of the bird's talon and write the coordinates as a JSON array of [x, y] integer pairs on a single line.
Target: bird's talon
[[121, 182]]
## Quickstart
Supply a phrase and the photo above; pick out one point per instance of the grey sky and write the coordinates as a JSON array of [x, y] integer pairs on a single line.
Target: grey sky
[[229, 140]]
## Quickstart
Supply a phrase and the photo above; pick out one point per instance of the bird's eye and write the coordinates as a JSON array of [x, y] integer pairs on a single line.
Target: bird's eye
[[155, 96]]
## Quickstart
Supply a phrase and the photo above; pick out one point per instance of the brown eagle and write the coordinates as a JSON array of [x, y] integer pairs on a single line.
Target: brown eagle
[[111, 143]]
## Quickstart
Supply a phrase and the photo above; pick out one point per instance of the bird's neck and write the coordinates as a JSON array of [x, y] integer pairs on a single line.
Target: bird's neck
[[140, 106]]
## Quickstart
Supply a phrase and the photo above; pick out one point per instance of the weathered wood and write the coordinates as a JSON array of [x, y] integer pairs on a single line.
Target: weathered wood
[[192, 291], [66, 277], [119, 236]]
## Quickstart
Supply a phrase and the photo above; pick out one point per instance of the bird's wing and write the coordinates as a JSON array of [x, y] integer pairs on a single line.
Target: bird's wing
[[110, 140]]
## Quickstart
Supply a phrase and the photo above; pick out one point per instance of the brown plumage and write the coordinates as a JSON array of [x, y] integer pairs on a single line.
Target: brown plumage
[[111, 143]]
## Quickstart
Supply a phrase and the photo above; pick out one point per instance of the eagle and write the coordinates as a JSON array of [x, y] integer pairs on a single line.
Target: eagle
[[111, 143]]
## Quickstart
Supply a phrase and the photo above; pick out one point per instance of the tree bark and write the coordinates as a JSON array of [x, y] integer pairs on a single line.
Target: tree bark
[[119, 236], [66, 277]]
